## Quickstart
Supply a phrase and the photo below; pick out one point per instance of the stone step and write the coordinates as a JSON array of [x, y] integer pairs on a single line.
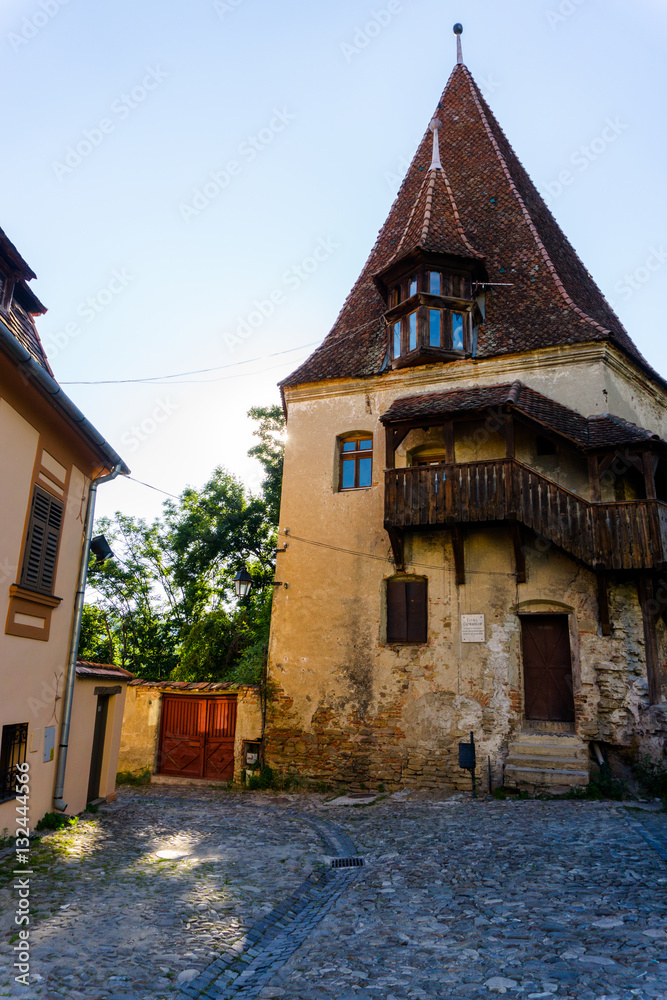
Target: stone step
[[549, 747], [535, 760], [545, 777], [553, 739]]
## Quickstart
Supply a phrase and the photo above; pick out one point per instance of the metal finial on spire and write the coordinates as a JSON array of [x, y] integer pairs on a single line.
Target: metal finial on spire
[[458, 31], [434, 125]]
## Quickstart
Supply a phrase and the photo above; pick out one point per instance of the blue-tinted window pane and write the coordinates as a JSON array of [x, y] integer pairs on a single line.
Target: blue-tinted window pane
[[434, 321], [348, 474], [397, 340], [349, 446], [413, 286], [457, 331], [365, 470], [434, 282], [366, 445], [413, 331]]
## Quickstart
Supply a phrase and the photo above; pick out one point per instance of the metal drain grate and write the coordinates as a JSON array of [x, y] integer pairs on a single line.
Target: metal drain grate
[[347, 862]]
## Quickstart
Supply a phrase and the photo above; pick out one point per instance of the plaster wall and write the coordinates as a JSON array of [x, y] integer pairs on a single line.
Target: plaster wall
[[84, 709], [32, 670]]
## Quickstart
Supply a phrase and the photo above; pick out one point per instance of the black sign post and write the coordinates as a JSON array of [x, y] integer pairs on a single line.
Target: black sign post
[[467, 760]]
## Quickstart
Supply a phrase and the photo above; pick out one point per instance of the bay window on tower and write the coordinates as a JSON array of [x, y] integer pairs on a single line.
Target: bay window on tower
[[431, 312]]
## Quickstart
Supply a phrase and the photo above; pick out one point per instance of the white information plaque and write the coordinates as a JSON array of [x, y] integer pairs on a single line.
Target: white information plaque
[[472, 628]]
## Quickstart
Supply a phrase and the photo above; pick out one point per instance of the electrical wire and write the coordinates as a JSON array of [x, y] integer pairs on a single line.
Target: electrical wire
[[162, 379]]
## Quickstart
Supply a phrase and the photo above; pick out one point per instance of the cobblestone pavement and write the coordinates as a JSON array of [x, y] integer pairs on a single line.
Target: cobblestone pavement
[[457, 899]]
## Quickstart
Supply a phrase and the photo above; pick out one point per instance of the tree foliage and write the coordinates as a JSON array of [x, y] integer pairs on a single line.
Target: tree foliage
[[165, 605]]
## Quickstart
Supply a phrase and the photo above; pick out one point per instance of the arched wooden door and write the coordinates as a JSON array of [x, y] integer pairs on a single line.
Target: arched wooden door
[[547, 668], [197, 737]]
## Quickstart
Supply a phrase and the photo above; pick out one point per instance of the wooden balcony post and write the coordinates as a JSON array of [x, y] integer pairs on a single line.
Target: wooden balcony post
[[448, 429], [397, 548], [649, 463], [459, 562], [594, 478], [390, 454], [508, 433], [519, 552]]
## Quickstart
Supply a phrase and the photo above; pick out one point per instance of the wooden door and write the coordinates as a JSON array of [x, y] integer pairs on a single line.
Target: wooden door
[[197, 737], [220, 730], [547, 668], [97, 754]]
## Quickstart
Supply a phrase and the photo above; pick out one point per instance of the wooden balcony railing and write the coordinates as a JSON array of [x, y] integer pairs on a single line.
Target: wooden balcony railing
[[627, 535]]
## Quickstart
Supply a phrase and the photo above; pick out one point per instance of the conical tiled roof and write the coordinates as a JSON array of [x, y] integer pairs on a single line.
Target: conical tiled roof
[[483, 199]]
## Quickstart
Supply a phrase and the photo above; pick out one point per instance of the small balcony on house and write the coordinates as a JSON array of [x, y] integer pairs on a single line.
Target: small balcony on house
[[626, 535]]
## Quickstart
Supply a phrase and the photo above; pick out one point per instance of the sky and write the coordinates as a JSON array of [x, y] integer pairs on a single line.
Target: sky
[[198, 183]]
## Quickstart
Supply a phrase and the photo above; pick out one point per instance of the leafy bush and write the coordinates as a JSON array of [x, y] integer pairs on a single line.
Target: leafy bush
[[55, 821], [600, 786]]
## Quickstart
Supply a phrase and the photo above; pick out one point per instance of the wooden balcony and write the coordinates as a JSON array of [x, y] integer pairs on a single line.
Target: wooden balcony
[[631, 535]]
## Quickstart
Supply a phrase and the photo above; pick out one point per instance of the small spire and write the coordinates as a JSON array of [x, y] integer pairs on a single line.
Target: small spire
[[434, 125], [458, 31]]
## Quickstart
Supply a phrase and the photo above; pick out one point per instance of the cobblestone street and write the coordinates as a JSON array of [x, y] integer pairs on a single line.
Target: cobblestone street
[[189, 893]]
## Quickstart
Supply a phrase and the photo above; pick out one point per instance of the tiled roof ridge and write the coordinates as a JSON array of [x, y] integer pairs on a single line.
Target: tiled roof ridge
[[430, 180], [524, 208], [457, 217]]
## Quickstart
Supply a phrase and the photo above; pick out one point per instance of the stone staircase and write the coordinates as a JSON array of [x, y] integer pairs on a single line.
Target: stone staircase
[[546, 762]]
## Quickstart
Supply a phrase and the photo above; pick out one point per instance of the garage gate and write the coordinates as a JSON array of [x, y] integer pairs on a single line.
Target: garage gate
[[197, 737]]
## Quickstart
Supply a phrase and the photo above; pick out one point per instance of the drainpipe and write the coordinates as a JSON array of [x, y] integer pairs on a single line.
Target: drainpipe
[[74, 639]]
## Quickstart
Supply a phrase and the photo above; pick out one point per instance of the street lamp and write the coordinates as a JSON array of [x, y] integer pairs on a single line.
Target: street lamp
[[242, 582]]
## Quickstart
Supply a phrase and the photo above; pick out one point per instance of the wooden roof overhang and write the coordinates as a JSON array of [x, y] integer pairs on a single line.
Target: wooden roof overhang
[[636, 443]]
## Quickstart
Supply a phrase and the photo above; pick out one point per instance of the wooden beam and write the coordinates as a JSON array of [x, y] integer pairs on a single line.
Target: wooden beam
[[648, 604], [603, 604], [519, 552], [448, 430], [459, 561], [508, 434], [390, 452], [397, 548], [594, 478]]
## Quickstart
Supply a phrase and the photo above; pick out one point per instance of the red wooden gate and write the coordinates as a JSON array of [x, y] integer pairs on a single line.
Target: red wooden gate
[[197, 737]]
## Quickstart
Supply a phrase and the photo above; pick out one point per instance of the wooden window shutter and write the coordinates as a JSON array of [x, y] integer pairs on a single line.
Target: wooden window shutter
[[397, 620], [41, 551], [406, 611]]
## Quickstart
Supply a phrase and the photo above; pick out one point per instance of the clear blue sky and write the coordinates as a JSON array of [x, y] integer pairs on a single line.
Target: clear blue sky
[[116, 114]]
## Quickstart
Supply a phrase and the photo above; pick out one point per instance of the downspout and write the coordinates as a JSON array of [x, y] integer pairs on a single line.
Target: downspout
[[74, 639]]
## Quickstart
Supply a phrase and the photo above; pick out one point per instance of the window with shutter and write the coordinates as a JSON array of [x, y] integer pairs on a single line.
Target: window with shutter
[[41, 551], [406, 611]]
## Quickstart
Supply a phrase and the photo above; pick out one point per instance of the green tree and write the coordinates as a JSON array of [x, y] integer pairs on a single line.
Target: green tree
[[165, 604], [270, 452]]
